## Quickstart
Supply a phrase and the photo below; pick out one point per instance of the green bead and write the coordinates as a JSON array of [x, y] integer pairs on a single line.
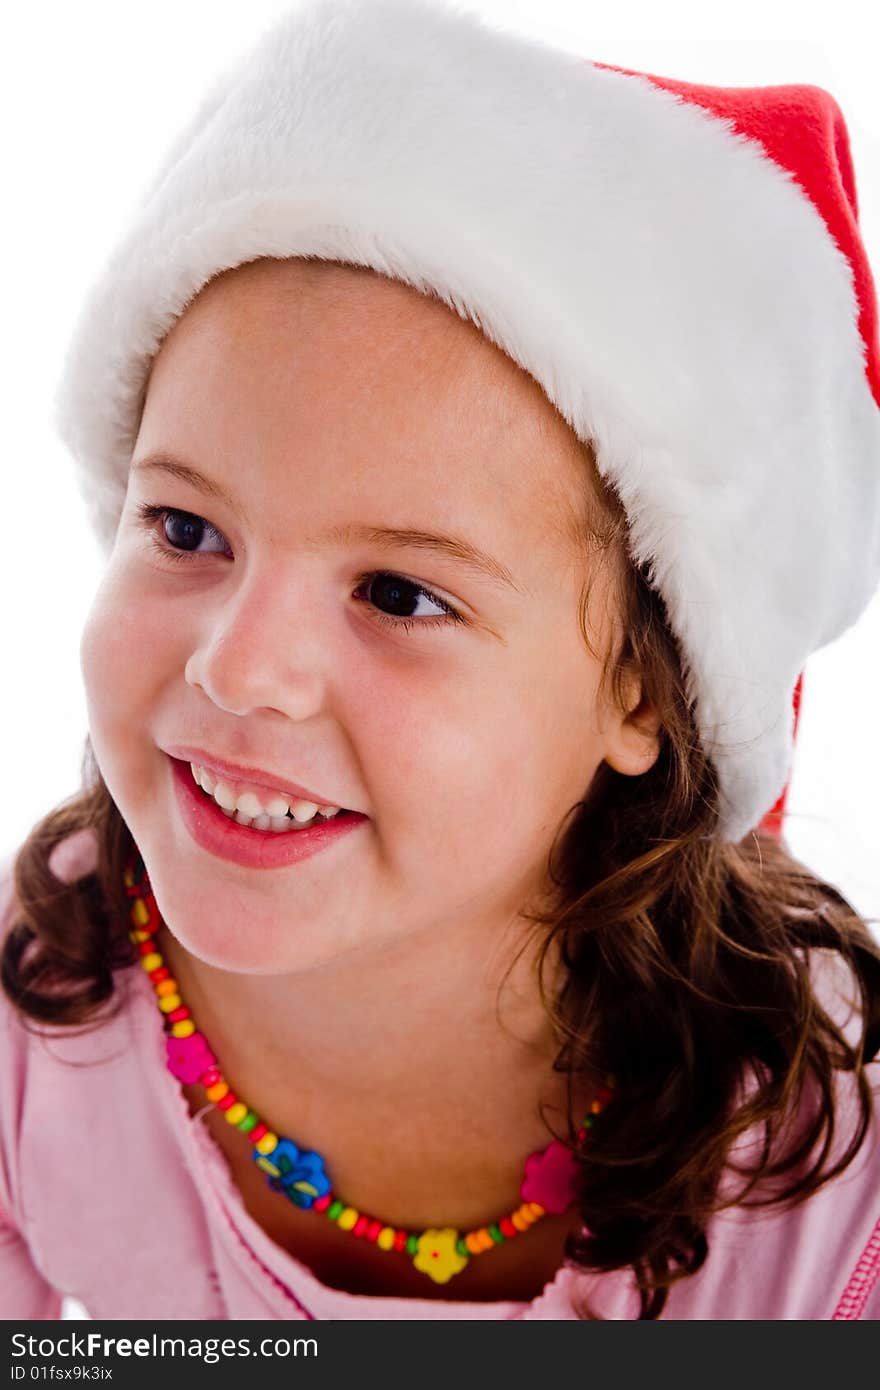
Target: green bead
[[412, 1245], [334, 1210], [248, 1123], [461, 1248], [496, 1234], [588, 1122]]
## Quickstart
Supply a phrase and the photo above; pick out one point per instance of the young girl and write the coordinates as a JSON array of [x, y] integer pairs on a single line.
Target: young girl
[[481, 440]]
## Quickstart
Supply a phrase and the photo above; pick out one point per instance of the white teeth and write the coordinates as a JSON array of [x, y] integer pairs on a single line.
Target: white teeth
[[224, 796], [247, 809]]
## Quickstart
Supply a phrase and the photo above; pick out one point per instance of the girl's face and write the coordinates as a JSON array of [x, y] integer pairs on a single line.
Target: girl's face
[[318, 402]]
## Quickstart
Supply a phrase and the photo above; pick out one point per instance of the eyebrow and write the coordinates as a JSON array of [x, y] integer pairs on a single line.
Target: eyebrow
[[386, 537]]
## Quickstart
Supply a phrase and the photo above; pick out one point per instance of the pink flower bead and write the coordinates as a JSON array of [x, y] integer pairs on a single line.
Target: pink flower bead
[[188, 1057], [550, 1178]]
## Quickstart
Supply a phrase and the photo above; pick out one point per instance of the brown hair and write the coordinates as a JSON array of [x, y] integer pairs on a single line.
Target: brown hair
[[687, 972]]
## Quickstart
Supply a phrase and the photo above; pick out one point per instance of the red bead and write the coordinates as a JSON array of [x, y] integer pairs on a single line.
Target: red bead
[[176, 1014], [360, 1226], [146, 948], [229, 1099], [507, 1228], [160, 973], [320, 1203], [258, 1130], [210, 1078], [373, 1230], [399, 1240]]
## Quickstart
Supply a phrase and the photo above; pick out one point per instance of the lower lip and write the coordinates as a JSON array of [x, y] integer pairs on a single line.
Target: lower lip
[[241, 844]]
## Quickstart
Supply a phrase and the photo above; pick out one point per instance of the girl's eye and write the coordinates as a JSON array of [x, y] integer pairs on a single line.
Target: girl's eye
[[179, 529], [182, 531], [395, 592]]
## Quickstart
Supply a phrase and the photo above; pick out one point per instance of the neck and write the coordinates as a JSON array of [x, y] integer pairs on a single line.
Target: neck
[[409, 1052]]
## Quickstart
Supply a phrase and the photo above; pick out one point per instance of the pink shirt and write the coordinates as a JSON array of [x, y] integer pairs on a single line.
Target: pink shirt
[[111, 1192]]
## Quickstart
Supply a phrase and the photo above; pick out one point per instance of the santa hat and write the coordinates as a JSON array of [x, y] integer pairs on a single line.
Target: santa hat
[[678, 266]]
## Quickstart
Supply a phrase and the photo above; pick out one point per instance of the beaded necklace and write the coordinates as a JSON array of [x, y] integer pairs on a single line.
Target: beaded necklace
[[548, 1181]]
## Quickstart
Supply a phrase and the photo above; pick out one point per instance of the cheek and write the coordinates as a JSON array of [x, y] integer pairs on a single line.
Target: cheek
[[485, 767], [122, 659]]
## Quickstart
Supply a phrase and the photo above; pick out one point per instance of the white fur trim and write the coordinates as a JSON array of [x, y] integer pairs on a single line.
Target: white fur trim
[[672, 289]]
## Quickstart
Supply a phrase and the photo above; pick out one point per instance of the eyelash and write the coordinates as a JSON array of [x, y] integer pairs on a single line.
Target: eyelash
[[150, 514]]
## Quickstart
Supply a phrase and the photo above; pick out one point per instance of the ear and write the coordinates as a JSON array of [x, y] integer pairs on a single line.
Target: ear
[[632, 738]]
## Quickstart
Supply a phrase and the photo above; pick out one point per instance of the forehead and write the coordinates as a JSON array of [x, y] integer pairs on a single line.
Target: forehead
[[330, 353]]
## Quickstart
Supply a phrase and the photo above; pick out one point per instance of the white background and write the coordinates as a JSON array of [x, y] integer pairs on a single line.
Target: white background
[[91, 95]]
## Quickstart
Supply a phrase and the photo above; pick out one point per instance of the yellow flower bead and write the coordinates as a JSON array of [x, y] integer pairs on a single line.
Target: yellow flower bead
[[236, 1112], [217, 1092], [385, 1238], [347, 1218], [267, 1144], [140, 913], [437, 1255], [151, 962], [184, 1029], [169, 1002]]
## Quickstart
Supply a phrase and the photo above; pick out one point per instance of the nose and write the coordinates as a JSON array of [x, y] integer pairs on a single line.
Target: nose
[[262, 648]]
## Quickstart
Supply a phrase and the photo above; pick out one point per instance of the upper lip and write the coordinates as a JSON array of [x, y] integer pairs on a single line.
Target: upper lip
[[233, 772]]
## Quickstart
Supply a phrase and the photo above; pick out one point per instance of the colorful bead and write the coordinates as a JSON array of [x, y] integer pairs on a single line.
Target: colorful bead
[[236, 1112], [495, 1233], [151, 962], [177, 1014], [385, 1238], [267, 1143], [400, 1239], [217, 1091], [168, 1002], [139, 913], [322, 1203], [373, 1231], [335, 1210], [248, 1123], [473, 1243], [436, 1254], [550, 1178], [160, 973], [210, 1077], [360, 1226], [225, 1101], [516, 1220], [507, 1227], [187, 1058], [168, 986], [347, 1218], [412, 1244]]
